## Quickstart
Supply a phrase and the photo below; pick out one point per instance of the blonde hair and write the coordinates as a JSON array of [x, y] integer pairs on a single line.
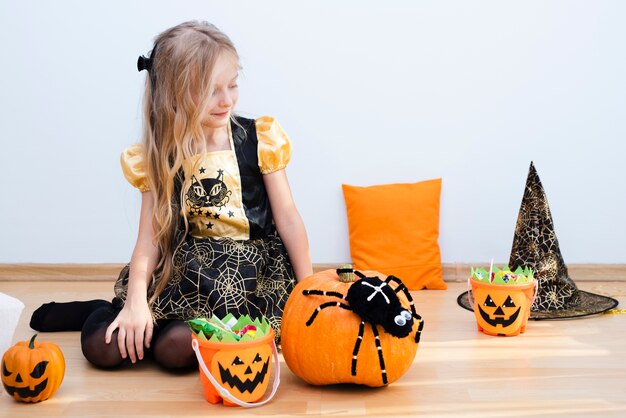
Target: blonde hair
[[175, 100]]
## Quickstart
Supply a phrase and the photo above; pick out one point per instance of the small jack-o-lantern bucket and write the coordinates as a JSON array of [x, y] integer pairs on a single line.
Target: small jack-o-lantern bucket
[[502, 309], [237, 373]]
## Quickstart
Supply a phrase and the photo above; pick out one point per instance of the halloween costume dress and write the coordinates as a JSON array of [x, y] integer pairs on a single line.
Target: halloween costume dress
[[231, 260]]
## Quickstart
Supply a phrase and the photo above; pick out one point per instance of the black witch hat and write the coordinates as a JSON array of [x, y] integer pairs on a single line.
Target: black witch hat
[[535, 245]]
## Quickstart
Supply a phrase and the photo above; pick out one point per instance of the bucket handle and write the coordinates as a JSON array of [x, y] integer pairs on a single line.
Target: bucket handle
[[225, 393], [536, 291]]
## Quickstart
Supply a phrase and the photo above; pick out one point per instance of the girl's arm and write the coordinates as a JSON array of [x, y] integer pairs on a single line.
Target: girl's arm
[[289, 223], [134, 322]]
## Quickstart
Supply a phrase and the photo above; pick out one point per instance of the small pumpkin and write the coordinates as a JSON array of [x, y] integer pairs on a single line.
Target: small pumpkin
[[32, 371], [320, 336]]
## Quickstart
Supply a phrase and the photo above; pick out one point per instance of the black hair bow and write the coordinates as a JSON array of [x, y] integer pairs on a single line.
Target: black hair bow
[[144, 63]]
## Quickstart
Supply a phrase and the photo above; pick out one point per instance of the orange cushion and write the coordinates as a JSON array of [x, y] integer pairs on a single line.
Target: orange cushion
[[394, 229]]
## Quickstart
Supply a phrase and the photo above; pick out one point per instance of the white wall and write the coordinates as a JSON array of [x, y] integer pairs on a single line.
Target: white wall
[[370, 94]]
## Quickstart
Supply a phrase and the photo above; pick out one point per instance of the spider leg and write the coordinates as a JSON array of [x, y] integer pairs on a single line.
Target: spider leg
[[357, 346], [323, 293], [324, 306], [418, 333], [380, 353], [401, 287], [396, 281]]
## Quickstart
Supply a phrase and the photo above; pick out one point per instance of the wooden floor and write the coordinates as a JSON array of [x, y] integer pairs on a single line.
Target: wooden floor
[[568, 368]]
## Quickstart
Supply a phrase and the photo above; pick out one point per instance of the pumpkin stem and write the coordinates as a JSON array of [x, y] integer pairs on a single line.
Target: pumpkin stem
[[345, 273], [31, 344]]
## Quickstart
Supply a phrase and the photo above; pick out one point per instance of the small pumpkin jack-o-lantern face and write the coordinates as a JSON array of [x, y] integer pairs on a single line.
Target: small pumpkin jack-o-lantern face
[[32, 372], [35, 381], [244, 372]]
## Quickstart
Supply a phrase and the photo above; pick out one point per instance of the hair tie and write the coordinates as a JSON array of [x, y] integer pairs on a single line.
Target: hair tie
[[144, 63]]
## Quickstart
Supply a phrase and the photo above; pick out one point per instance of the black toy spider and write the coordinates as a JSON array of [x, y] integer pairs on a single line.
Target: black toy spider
[[375, 302]]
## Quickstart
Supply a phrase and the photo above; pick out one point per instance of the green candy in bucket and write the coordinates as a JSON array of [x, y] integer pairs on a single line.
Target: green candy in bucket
[[235, 358]]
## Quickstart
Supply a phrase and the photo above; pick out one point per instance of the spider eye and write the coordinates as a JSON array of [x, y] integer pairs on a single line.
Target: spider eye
[[406, 315], [399, 320]]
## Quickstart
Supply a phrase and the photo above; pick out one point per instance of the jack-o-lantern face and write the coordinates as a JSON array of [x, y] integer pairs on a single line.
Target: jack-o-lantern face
[[35, 381], [504, 315], [502, 309], [244, 372]]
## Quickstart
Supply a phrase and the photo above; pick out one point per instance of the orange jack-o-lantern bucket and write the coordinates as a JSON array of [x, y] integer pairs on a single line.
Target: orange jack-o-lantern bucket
[[237, 373], [502, 309]]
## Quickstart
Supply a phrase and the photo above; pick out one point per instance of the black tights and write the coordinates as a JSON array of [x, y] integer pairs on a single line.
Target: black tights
[[170, 346]]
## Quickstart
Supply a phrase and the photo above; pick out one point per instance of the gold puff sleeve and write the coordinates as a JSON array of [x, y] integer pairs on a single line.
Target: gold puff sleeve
[[134, 168], [274, 150]]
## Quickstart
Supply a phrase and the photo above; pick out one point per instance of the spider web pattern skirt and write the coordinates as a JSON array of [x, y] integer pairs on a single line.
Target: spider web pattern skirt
[[221, 276]]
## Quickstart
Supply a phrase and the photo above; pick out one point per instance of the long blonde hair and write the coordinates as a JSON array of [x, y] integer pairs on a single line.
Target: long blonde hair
[[175, 100]]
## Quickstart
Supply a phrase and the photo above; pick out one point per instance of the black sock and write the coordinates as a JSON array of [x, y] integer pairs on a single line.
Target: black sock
[[65, 316]]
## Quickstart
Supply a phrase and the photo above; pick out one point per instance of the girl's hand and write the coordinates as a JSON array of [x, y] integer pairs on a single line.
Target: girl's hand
[[135, 326]]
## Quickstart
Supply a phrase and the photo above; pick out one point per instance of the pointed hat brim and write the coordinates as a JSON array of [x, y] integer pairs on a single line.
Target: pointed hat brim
[[588, 304]]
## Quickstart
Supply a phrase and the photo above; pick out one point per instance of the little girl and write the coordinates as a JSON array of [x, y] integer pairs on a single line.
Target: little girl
[[219, 231]]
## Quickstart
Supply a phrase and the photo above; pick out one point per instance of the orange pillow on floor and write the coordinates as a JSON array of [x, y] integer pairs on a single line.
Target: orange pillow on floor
[[394, 229]]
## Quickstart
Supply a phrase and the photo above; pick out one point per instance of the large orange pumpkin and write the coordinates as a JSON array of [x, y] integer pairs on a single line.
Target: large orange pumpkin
[[32, 371], [321, 353]]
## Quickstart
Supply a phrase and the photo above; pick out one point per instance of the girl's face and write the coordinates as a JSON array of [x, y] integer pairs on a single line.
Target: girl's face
[[223, 93]]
